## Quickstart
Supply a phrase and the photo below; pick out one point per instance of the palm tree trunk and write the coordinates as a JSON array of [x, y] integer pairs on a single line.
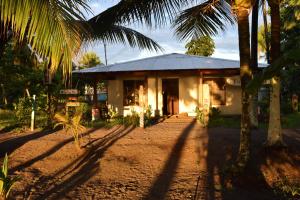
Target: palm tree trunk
[[254, 63], [265, 19], [245, 75], [274, 130]]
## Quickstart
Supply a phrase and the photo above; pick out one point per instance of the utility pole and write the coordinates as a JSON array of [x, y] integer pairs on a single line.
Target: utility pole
[[105, 53]]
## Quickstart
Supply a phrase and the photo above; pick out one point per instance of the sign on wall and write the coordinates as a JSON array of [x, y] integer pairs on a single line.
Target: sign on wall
[[69, 91]]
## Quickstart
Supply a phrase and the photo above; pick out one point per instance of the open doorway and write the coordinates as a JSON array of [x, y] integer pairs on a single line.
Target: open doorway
[[170, 96]]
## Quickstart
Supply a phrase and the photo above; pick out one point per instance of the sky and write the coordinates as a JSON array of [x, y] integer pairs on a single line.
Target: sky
[[226, 42]]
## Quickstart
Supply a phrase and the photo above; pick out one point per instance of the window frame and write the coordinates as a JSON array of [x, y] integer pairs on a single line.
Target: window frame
[[135, 84]]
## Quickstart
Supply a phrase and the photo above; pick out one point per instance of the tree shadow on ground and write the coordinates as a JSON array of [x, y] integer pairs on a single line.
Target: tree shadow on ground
[[163, 181], [216, 182], [10, 145], [49, 152], [79, 171]]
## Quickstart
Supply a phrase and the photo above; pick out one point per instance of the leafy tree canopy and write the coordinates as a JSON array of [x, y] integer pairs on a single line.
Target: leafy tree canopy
[[203, 46], [89, 59]]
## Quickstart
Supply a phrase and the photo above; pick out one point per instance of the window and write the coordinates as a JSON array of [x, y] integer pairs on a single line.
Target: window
[[131, 92], [217, 88]]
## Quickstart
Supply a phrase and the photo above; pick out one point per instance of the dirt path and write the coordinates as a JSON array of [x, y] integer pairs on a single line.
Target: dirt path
[[176, 159]]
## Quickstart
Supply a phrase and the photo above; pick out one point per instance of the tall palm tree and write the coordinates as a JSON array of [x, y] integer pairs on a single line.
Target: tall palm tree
[[207, 19], [254, 62], [274, 131], [242, 9]]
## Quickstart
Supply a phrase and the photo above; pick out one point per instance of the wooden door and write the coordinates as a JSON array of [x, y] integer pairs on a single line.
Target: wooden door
[[170, 96]]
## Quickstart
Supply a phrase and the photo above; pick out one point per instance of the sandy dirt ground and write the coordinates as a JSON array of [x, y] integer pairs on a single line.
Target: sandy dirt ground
[[175, 159]]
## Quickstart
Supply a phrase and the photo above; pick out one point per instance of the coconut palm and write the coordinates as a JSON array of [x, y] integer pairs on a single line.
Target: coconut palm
[[56, 29], [209, 18], [254, 62], [274, 131], [71, 124]]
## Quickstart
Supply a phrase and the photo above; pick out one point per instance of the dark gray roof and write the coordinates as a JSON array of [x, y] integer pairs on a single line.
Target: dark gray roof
[[172, 61]]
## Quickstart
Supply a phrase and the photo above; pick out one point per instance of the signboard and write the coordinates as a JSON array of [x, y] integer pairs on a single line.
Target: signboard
[[73, 104], [69, 91], [73, 98]]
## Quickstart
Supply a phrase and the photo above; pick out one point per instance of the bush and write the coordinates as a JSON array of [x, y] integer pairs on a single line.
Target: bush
[[86, 110], [286, 107], [214, 113], [200, 116], [133, 119], [23, 110]]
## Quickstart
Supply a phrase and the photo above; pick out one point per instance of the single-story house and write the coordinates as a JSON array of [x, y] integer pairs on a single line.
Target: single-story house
[[172, 84]]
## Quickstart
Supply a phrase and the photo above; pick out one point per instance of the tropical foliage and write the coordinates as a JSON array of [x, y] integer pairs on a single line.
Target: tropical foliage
[[71, 123], [55, 30], [6, 182], [89, 59], [203, 46]]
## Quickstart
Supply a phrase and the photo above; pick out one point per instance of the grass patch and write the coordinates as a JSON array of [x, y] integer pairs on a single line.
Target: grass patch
[[291, 120], [10, 122], [225, 122], [7, 119]]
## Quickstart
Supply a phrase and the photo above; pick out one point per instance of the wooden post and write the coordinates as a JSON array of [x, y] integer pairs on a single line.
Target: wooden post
[[141, 103], [95, 109], [33, 114]]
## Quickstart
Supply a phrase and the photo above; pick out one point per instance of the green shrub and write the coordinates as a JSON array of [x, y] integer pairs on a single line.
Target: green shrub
[[133, 119], [200, 115], [214, 113], [86, 110], [286, 107], [112, 113], [23, 110]]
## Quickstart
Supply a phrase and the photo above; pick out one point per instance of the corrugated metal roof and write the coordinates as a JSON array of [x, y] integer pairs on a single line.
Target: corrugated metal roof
[[172, 61]]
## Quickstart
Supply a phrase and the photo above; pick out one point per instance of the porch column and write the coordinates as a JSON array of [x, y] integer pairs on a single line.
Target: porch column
[[142, 104], [200, 100], [156, 97], [95, 109]]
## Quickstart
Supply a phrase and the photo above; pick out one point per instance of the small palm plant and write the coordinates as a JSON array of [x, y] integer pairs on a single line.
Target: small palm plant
[[6, 182], [71, 124]]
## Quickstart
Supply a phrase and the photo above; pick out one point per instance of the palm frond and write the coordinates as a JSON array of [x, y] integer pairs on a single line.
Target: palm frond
[[207, 18], [60, 118], [48, 26], [290, 57], [120, 34], [157, 12]]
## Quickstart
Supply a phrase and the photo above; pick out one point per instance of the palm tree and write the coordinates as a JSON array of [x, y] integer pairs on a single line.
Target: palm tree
[[242, 11], [207, 19], [89, 59], [254, 62], [274, 131], [56, 29]]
